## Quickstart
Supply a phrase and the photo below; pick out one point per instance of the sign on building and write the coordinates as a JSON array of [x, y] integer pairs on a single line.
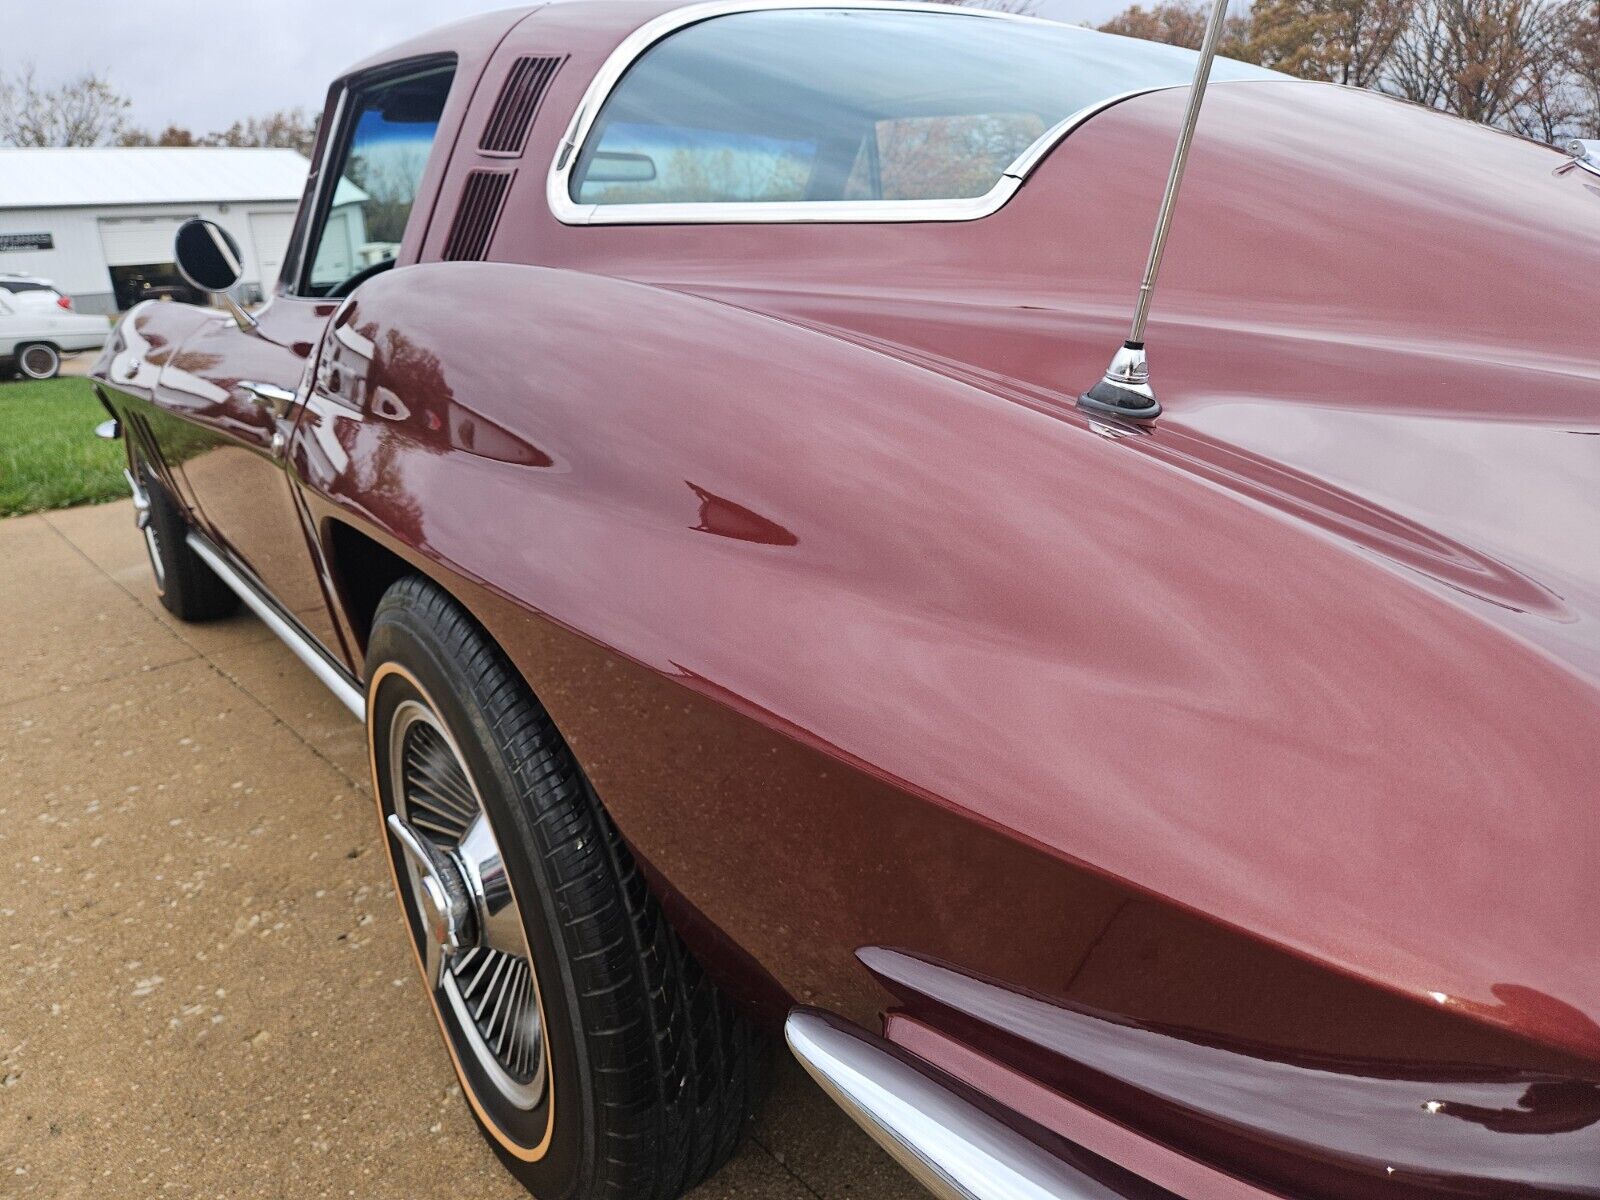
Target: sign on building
[[26, 241]]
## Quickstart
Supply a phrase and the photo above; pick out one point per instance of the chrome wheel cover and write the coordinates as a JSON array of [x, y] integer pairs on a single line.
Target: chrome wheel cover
[[473, 949], [39, 362]]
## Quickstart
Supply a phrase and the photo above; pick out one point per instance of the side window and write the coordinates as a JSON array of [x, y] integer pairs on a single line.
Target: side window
[[388, 132]]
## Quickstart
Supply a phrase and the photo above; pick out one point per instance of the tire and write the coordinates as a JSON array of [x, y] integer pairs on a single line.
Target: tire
[[189, 589], [38, 360], [648, 1074]]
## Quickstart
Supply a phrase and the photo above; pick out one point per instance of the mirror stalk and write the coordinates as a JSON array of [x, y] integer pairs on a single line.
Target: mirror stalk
[[241, 318], [1124, 390]]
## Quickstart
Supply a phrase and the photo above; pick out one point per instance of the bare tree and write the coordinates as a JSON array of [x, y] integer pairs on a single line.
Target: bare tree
[[172, 135], [1180, 23], [1552, 102], [1581, 54], [1342, 41], [290, 129], [1474, 58], [86, 111], [1529, 66]]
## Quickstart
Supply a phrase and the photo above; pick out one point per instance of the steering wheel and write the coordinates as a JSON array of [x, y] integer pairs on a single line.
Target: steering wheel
[[360, 277]]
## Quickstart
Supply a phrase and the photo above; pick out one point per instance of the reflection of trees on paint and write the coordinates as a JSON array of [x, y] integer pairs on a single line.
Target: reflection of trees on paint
[[390, 180], [418, 375]]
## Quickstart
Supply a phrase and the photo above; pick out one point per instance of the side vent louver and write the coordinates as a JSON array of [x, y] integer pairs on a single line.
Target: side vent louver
[[524, 87], [481, 201]]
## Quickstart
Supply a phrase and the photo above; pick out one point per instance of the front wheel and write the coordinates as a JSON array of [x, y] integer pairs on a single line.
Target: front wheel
[[597, 1059], [189, 589], [39, 360]]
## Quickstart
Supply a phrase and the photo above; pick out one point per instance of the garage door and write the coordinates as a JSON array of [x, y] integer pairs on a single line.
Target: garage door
[[270, 232], [137, 241]]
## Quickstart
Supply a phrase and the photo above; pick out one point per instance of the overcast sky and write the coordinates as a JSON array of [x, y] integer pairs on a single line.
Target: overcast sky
[[204, 64]]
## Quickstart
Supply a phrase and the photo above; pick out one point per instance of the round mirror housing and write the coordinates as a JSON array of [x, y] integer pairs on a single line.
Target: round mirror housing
[[207, 256]]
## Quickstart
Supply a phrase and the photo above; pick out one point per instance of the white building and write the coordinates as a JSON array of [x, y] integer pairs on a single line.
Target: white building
[[99, 222]]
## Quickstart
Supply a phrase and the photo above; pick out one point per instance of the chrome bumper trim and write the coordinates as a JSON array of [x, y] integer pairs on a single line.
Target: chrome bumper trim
[[949, 1145], [333, 677]]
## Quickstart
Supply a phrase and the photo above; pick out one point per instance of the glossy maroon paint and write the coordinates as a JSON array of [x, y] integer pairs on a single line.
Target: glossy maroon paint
[[228, 462], [1225, 790]]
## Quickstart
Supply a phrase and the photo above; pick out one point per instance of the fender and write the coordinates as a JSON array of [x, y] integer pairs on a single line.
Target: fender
[[729, 517]]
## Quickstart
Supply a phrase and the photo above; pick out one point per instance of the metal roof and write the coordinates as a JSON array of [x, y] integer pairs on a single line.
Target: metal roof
[[100, 176]]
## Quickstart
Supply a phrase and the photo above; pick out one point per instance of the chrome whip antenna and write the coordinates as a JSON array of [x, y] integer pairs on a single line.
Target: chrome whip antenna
[[1124, 390]]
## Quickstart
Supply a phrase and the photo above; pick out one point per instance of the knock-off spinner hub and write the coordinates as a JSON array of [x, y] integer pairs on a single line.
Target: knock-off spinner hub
[[444, 891]]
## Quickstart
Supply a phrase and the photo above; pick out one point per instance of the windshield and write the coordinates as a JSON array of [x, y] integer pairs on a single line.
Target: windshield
[[786, 105]]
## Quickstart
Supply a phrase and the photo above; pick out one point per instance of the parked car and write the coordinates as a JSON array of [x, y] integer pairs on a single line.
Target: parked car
[[30, 289], [38, 326], [754, 630]]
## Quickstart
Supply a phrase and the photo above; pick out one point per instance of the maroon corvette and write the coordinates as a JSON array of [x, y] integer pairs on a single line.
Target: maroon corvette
[[667, 435]]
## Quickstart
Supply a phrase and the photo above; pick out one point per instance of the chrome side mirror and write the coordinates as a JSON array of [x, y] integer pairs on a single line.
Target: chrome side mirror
[[209, 259]]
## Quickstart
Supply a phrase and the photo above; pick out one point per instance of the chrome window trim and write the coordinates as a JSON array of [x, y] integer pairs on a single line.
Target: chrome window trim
[[569, 212], [318, 185], [324, 185]]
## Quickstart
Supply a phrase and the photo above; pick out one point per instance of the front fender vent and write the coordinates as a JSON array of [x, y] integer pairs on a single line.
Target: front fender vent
[[507, 131], [481, 201]]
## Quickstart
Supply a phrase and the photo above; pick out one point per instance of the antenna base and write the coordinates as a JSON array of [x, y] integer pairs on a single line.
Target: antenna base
[[1124, 391]]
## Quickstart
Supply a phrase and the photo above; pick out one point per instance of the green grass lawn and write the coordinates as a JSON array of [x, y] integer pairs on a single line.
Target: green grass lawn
[[49, 456]]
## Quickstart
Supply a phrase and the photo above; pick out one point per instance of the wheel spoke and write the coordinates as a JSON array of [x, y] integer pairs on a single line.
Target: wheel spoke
[[425, 818], [492, 988], [505, 1003]]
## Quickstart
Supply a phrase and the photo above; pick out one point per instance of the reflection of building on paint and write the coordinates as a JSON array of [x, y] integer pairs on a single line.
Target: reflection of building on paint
[[99, 222]]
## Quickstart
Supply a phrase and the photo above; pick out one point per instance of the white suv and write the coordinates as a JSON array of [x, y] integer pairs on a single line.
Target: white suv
[[38, 326]]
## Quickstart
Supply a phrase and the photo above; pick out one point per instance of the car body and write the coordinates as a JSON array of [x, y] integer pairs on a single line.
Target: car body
[[38, 326], [1202, 807]]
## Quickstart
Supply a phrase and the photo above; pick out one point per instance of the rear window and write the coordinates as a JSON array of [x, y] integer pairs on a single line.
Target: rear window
[[18, 286], [864, 105]]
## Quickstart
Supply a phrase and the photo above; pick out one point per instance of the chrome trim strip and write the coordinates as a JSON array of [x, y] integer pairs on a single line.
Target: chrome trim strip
[[318, 184], [1586, 154], [570, 212], [333, 677], [948, 1144]]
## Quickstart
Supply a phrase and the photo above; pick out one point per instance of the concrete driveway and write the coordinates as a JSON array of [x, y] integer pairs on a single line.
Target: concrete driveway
[[206, 989]]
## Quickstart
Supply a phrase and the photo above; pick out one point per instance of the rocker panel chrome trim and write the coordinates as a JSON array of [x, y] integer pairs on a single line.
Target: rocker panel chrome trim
[[332, 676], [949, 1145]]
